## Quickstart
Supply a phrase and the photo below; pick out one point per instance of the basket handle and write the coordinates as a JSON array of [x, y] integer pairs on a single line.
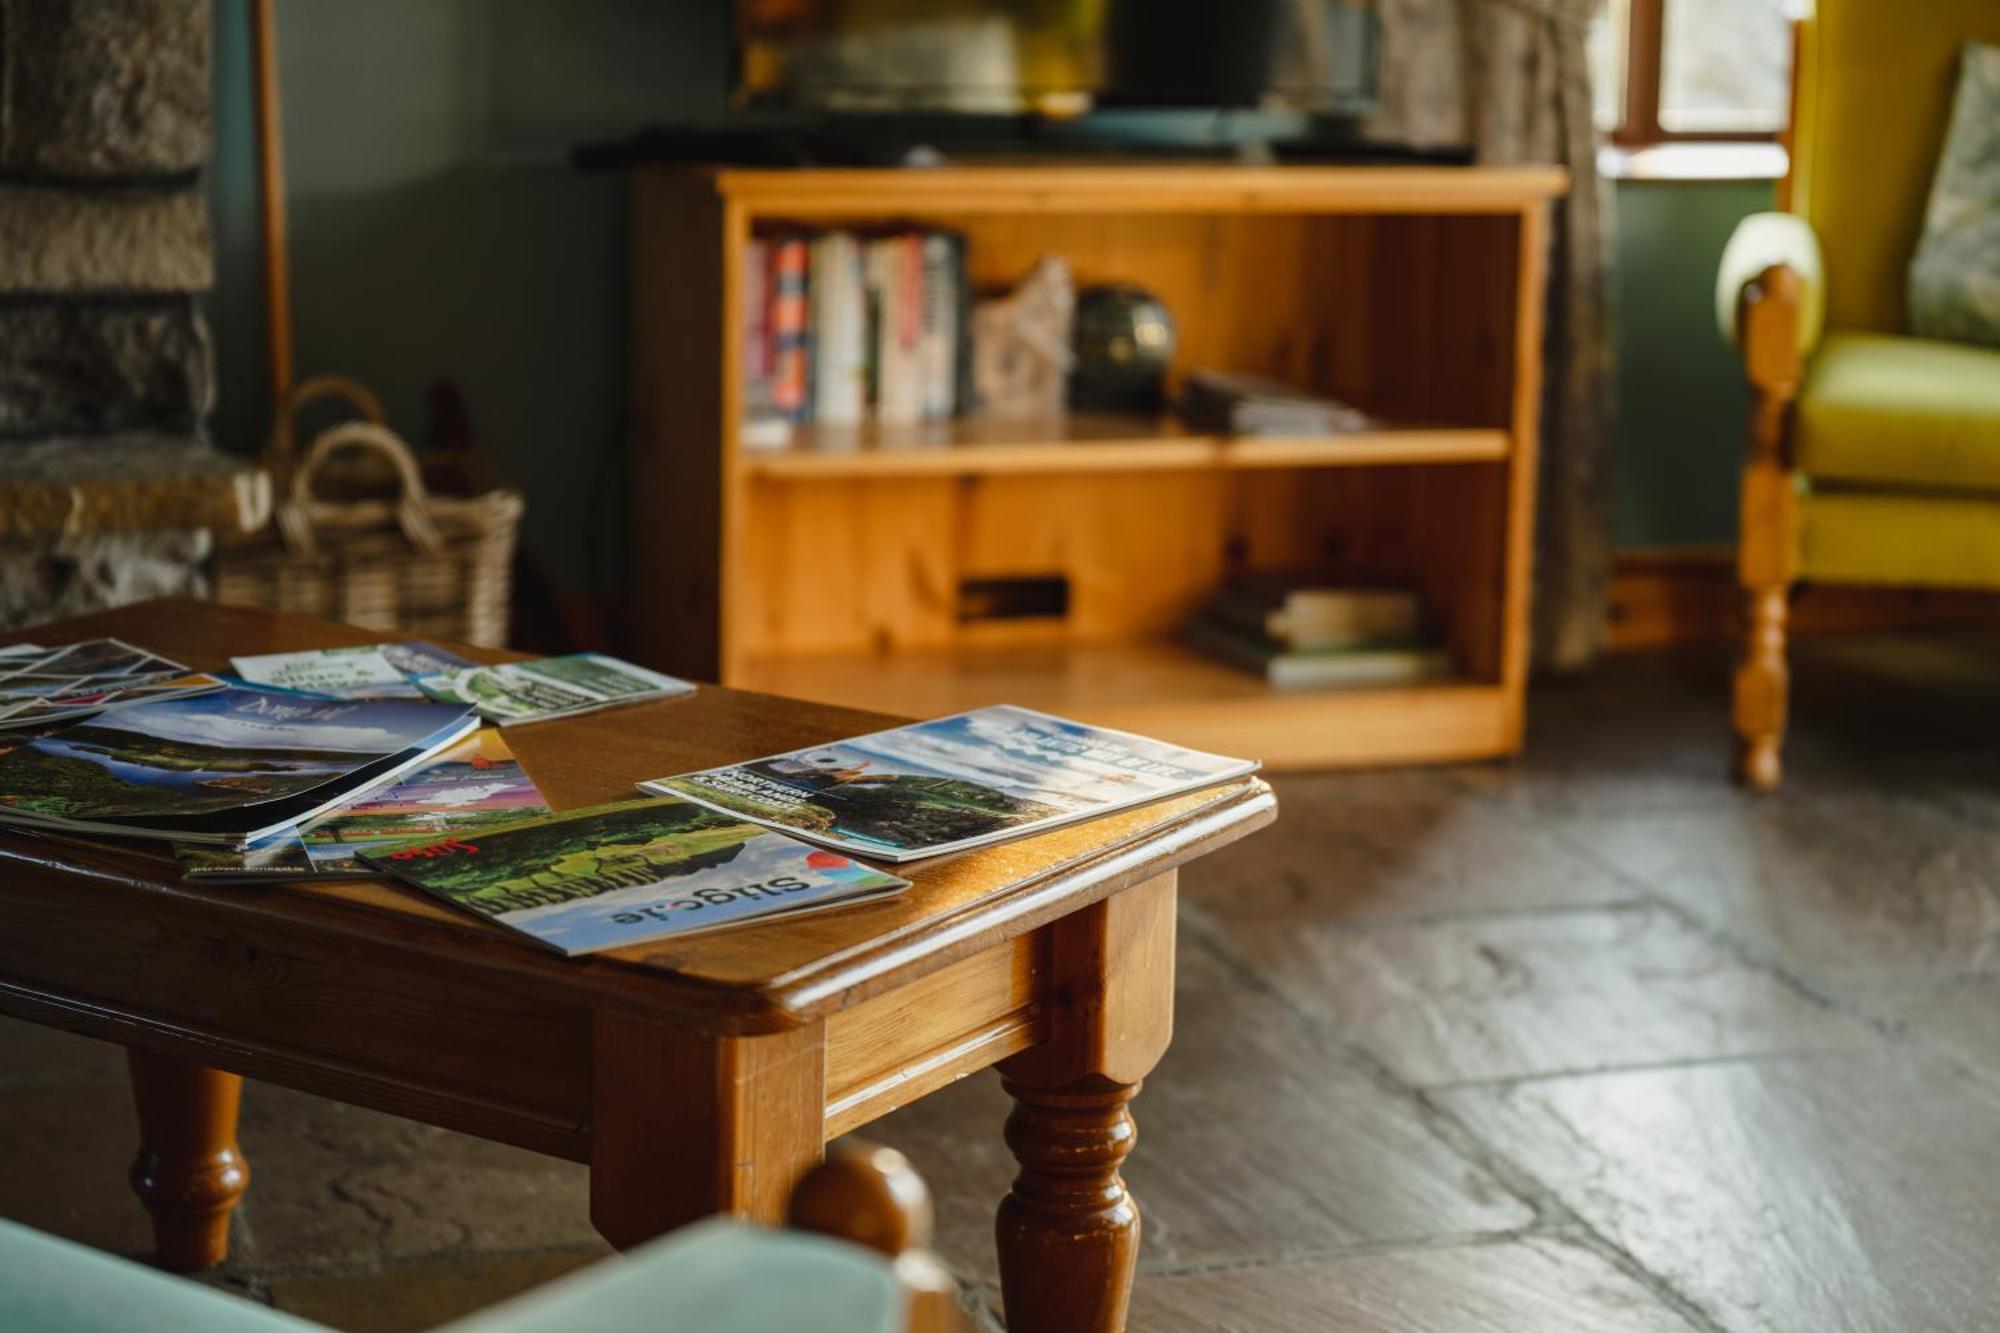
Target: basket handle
[[295, 515], [281, 448]]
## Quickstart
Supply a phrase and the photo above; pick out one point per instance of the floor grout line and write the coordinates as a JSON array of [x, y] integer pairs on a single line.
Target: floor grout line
[[1465, 1240], [1636, 1067], [1548, 1208]]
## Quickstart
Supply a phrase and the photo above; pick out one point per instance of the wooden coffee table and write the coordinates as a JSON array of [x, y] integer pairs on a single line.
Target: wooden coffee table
[[694, 1077]]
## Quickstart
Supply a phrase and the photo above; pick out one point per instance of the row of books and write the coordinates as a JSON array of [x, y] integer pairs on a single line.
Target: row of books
[[258, 781], [844, 325]]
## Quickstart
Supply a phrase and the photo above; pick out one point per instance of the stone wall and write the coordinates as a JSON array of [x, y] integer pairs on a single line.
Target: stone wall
[[107, 371]]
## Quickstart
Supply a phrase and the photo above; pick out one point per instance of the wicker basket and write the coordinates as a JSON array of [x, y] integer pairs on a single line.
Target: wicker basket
[[436, 566]]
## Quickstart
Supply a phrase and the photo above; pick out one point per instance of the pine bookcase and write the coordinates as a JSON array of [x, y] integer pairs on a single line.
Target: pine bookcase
[[847, 566]]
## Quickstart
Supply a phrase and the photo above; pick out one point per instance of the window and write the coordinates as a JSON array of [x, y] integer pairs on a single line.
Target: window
[[1692, 69]]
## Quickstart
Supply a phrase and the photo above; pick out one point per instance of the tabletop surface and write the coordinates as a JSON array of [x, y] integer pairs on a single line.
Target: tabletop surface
[[788, 969]]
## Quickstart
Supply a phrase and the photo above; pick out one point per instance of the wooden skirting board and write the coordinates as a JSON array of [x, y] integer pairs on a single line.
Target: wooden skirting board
[[1660, 598]]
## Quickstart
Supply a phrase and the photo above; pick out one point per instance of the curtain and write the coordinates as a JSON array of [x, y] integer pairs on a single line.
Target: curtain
[[1509, 78]]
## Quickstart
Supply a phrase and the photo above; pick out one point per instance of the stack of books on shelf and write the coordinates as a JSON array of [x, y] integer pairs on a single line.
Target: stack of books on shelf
[[383, 768], [1302, 634], [844, 326], [1228, 403]]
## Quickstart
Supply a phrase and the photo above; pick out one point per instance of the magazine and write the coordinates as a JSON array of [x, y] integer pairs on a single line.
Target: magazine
[[228, 766], [632, 872], [371, 671], [549, 687], [952, 784], [41, 685], [475, 784]]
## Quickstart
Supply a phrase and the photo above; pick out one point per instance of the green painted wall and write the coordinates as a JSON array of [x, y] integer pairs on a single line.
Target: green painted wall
[[1681, 396], [437, 230]]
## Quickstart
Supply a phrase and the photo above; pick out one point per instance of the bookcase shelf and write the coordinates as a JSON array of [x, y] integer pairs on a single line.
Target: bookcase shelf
[[925, 569], [974, 446], [1160, 687]]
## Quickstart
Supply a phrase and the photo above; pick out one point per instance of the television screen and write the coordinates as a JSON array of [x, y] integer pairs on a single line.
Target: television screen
[[1055, 57]]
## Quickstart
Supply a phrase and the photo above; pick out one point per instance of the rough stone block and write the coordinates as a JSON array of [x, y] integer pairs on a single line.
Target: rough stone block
[[128, 483], [81, 574], [88, 369], [58, 239], [107, 89]]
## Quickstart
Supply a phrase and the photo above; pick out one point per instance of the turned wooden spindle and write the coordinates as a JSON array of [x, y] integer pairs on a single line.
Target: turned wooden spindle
[[873, 1196], [1768, 329], [1762, 683], [189, 1172], [1068, 1231]]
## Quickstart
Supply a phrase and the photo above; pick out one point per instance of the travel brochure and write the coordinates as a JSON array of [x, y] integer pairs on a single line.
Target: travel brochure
[[476, 784], [42, 685], [228, 766], [355, 762], [952, 784], [551, 687], [371, 671], [632, 872]]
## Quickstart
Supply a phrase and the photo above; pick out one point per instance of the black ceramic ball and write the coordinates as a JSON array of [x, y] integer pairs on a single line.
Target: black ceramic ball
[[1123, 337]]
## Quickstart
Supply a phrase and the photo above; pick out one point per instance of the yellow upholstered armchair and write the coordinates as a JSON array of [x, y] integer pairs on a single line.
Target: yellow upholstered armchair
[[1874, 455]]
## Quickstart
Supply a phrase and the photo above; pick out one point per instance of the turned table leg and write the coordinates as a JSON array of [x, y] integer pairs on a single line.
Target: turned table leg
[[1068, 1231], [189, 1172], [687, 1124]]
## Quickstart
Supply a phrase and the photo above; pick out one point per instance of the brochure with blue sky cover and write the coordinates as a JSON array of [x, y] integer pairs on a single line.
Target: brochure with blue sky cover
[[954, 783], [630, 873], [228, 766]]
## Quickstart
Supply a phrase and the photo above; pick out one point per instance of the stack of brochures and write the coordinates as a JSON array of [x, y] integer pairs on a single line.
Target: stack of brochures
[[361, 761]]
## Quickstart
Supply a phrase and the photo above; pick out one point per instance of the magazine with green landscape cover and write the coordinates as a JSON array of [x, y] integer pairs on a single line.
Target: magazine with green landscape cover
[[370, 671], [476, 784], [632, 872], [229, 766], [953, 783], [550, 687]]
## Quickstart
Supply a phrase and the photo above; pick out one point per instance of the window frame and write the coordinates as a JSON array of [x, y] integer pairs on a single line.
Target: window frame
[[1639, 114]]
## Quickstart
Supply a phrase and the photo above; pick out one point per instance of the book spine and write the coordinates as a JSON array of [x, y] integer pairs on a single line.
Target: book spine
[[963, 399], [840, 318], [900, 400], [821, 289], [757, 329], [789, 318], [883, 283], [940, 328]]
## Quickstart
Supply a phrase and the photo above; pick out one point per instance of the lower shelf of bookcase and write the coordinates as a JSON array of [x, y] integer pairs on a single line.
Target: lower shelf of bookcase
[[1164, 689]]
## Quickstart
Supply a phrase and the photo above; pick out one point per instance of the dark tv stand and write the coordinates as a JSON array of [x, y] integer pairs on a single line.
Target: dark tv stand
[[931, 140]]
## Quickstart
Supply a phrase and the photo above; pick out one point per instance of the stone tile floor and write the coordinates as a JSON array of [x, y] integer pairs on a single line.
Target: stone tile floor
[[1588, 1042]]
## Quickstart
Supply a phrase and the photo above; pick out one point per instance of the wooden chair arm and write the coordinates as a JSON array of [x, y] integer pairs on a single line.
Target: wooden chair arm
[[872, 1196], [1774, 321]]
